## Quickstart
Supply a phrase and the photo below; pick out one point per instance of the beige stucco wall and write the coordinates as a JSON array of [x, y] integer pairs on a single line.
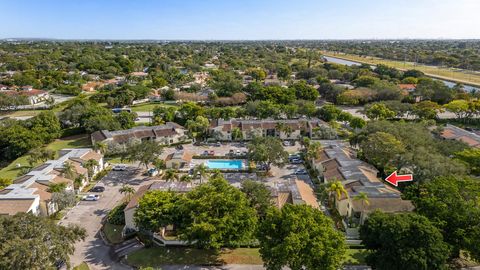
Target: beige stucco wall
[[129, 223]]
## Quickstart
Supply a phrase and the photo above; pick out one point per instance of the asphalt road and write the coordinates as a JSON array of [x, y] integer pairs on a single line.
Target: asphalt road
[[89, 215]]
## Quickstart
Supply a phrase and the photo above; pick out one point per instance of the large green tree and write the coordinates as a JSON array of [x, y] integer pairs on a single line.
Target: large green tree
[[31, 242], [453, 204], [403, 242], [300, 237], [259, 195], [268, 151], [156, 209], [381, 149], [144, 152], [216, 214]]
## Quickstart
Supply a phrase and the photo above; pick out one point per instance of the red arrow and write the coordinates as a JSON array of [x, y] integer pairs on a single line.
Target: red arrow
[[393, 178]]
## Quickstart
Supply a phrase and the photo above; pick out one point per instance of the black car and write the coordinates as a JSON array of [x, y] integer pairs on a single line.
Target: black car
[[97, 189], [179, 147]]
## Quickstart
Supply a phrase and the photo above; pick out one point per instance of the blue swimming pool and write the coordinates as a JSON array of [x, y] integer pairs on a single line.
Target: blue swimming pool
[[224, 164]]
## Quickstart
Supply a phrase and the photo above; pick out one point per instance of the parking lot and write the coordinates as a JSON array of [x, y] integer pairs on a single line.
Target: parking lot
[[89, 215]]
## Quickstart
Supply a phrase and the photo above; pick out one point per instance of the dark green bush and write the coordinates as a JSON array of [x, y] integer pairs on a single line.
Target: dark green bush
[[116, 216]]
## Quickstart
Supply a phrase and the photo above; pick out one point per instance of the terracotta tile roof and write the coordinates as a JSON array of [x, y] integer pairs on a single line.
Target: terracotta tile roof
[[33, 92], [407, 86], [165, 132], [92, 155], [98, 136], [136, 197], [122, 138], [307, 193], [60, 179], [42, 191], [452, 132], [471, 142], [388, 205], [13, 206]]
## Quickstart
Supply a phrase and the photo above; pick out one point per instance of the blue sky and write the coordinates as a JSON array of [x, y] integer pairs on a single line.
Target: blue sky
[[240, 19]]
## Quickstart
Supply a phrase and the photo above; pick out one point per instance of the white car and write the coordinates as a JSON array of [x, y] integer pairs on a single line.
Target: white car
[[286, 143], [119, 167], [300, 172], [91, 197], [296, 161]]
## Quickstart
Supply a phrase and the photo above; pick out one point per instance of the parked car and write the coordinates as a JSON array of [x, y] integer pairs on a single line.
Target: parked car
[[322, 207], [238, 152], [179, 147], [300, 172], [244, 153], [231, 152], [296, 161], [119, 167], [205, 153], [286, 143], [152, 172], [295, 156], [91, 197], [218, 144], [97, 189], [211, 153]]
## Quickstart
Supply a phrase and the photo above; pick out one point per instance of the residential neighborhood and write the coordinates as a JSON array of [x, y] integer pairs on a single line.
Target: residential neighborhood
[[240, 135]]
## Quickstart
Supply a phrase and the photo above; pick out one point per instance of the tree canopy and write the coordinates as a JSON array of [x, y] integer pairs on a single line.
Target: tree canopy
[[300, 236], [403, 242], [31, 242]]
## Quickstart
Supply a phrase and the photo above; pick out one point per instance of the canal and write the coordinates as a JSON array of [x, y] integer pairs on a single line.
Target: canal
[[340, 61]]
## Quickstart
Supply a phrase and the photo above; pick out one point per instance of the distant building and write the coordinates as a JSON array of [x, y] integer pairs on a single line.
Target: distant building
[[179, 159], [139, 74], [29, 193], [451, 132], [337, 162], [92, 86], [164, 134], [290, 129], [34, 96], [408, 87]]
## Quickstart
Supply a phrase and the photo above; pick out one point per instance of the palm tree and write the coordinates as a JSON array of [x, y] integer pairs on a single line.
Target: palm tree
[[313, 150], [363, 197], [127, 190], [170, 175], [77, 183], [52, 188], [68, 170], [202, 170], [100, 147], [336, 189], [280, 127], [186, 178], [89, 165], [306, 142]]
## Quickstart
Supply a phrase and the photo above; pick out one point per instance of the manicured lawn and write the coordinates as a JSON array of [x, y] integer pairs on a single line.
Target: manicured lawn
[[438, 72], [117, 160], [355, 256], [158, 256], [148, 107], [78, 141], [82, 266], [23, 113], [113, 233]]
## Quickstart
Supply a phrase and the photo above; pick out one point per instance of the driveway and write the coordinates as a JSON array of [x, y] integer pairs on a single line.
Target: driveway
[[89, 215]]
